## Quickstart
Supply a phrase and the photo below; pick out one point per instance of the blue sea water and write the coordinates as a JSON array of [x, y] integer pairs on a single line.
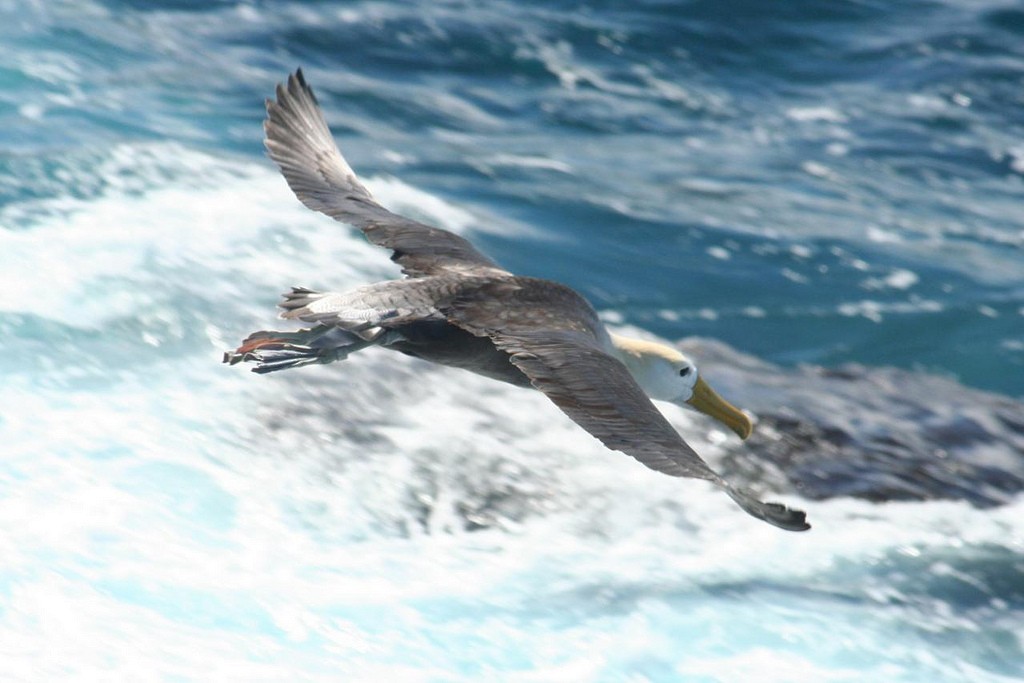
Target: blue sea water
[[824, 202]]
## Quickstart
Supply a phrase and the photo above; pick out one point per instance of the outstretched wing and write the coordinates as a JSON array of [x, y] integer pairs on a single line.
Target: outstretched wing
[[564, 359], [598, 393], [299, 141]]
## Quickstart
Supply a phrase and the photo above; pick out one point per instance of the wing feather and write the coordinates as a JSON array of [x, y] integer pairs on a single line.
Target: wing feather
[[300, 143], [599, 394], [563, 357]]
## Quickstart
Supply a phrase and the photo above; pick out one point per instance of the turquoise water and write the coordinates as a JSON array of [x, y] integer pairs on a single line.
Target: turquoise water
[[832, 193]]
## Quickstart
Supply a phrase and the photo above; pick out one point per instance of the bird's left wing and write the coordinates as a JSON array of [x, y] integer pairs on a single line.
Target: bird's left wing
[[558, 350], [599, 394]]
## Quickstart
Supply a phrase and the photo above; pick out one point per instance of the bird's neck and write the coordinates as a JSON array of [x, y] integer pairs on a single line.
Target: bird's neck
[[642, 358]]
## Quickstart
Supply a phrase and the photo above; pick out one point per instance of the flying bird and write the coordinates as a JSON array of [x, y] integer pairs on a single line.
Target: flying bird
[[459, 308]]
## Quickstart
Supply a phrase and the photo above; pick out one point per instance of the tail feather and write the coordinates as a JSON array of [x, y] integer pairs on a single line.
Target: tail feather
[[330, 308], [360, 309], [272, 350], [297, 302]]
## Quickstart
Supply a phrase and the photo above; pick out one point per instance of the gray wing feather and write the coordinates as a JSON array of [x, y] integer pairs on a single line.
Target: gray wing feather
[[517, 304], [299, 141], [598, 393], [555, 337], [558, 348]]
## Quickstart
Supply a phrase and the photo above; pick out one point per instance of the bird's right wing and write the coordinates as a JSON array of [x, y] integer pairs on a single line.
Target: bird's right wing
[[299, 141]]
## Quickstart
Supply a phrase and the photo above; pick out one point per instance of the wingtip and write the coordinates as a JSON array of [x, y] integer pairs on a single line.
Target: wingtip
[[293, 87], [298, 86], [775, 514], [788, 518]]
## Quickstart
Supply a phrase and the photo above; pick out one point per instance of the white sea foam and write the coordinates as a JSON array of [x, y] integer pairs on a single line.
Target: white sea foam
[[172, 553], [83, 261], [524, 161], [407, 200], [182, 519], [820, 113]]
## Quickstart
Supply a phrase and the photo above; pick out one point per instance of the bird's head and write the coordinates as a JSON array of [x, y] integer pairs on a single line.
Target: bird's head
[[665, 374]]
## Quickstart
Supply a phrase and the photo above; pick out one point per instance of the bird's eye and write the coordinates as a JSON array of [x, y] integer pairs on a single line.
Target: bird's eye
[[683, 372]]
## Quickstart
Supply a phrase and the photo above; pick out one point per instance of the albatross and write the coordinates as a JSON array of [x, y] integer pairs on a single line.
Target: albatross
[[459, 308]]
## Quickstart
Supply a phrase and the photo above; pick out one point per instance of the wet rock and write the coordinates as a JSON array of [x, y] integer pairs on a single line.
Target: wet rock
[[874, 433]]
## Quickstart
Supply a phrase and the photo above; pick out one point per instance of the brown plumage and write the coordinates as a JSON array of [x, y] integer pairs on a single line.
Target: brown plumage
[[457, 307]]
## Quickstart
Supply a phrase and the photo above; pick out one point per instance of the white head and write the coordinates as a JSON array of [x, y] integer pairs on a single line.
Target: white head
[[665, 374]]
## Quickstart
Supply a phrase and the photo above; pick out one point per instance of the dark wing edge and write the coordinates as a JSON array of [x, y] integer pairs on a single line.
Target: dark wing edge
[[598, 393], [300, 143]]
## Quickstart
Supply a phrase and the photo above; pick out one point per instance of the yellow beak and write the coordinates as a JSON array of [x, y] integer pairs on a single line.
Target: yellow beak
[[708, 402]]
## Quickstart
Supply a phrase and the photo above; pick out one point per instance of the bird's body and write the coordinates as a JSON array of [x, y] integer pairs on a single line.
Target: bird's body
[[458, 308], [445, 344]]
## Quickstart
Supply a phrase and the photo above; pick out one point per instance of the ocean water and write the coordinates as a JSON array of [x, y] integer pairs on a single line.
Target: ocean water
[[823, 203]]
